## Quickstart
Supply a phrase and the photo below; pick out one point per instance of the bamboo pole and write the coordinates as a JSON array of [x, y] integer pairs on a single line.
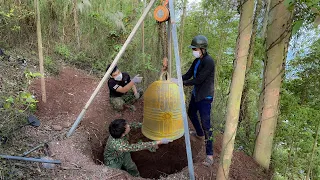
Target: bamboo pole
[[43, 84], [184, 11], [107, 74], [183, 105], [143, 48], [236, 88], [313, 152], [76, 23]]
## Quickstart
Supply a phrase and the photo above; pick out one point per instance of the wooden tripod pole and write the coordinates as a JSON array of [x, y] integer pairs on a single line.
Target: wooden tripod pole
[[107, 74]]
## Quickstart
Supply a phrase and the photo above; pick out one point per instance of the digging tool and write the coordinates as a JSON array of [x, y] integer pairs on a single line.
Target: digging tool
[[42, 160], [32, 120], [35, 148]]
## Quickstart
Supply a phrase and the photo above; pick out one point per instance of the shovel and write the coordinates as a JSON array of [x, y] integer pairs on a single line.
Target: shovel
[[32, 120]]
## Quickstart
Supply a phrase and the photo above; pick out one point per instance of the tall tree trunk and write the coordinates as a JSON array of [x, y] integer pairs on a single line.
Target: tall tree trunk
[[143, 53], [278, 37], [183, 17], [263, 35], [244, 115], [265, 17], [43, 85], [63, 29], [289, 155], [218, 60], [76, 23], [313, 152], [245, 29]]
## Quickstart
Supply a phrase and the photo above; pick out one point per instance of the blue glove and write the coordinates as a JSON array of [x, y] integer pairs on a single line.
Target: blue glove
[[137, 95], [165, 141], [174, 80], [137, 79]]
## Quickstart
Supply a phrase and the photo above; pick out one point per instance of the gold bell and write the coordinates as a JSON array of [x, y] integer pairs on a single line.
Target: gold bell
[[162, 115]]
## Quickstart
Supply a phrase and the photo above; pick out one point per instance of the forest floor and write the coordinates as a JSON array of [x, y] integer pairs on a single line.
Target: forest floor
[[82, 153]]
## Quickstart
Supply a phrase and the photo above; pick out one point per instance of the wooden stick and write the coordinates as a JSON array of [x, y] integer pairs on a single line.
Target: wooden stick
[[43, 85]]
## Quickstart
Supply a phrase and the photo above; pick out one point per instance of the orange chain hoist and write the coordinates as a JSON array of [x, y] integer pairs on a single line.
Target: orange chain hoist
[[161, 13]]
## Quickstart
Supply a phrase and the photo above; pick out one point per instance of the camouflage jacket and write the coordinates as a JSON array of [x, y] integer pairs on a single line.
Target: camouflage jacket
[[116, 148]]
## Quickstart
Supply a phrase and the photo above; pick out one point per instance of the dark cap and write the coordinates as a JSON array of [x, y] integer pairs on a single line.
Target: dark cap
[[114, 69]]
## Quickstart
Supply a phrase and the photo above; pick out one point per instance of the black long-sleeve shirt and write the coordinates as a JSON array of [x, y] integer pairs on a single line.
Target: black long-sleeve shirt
[[203, 80]]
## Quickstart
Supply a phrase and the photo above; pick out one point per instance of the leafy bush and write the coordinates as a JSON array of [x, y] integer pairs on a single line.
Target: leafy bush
[[51, 66], [16, 106], [63, 51]]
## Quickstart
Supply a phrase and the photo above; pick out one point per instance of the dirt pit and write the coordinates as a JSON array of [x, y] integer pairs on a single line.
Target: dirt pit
[[168, 159]]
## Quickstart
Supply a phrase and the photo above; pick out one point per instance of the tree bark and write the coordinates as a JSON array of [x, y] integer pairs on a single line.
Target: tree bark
[[245, 30], [263, 35], [63, 23], [76, 23], [244, 115], [183, 16], [278, 37], [313, 152], [265, 18], [43, 85]]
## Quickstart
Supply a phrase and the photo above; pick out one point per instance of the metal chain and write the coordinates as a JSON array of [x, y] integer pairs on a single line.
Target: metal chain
[[162, 28], [160, 37], [163, 34], [163, 38]]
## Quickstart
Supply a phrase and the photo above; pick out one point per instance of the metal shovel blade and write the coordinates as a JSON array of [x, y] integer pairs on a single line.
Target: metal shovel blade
[[33, 121]]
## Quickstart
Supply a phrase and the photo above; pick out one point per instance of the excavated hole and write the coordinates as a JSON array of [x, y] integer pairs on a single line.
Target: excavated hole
[[168, 159]]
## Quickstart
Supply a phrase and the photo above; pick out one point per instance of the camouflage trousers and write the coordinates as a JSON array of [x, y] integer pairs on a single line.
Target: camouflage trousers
[[118, 102], [126, 164]]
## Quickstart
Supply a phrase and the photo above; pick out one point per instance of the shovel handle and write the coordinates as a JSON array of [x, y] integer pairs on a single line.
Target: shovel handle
[[30, 159]]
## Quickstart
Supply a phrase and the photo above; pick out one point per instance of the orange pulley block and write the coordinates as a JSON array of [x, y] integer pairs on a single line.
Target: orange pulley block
[[161, 13]]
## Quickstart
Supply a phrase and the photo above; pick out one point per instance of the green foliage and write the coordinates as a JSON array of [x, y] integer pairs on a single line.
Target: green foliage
[[51, 65], [306, 82], [14, 19], [16, 102], [63, 50], [30, 75], [295, 137], [305, 12], [299, 118], [296, 26], [22, 102]]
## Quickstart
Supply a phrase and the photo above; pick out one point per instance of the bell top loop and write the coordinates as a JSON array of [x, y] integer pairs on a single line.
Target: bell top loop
[[165, 73]]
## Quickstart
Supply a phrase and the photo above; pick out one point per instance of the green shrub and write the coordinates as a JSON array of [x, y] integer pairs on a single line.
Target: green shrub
[[51, 66], [63, 51]]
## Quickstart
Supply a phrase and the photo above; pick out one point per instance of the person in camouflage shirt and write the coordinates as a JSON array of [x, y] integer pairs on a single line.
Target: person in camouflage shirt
[[117, 150]]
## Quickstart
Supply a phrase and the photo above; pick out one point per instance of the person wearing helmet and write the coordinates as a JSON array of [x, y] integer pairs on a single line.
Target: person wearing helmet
[[201, 76]]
